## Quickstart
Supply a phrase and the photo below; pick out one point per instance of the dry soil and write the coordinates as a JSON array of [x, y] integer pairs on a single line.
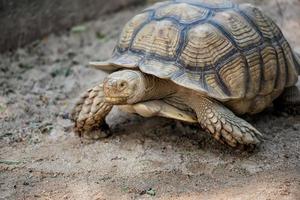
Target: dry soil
[[145, 158]]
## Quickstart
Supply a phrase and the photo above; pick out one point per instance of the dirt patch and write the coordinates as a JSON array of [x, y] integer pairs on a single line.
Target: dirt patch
[[40, 158]]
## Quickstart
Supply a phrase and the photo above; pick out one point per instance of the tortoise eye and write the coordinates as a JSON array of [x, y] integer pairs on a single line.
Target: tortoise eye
[[122, 85]]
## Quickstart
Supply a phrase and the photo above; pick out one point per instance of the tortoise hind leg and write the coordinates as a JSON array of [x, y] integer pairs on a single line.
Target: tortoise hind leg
[[89, 114], [289, 101], [225, 126]]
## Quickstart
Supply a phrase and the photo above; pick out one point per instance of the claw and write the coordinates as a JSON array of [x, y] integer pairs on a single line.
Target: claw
[[89, 113]]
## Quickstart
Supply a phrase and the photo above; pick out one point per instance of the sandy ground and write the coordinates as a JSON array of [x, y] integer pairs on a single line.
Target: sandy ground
[[153, 158]]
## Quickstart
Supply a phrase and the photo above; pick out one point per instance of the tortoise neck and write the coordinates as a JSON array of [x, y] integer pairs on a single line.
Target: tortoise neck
[[157, 88]]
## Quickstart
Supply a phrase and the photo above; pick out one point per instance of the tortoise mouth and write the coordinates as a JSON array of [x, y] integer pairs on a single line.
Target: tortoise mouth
[[116, 100]]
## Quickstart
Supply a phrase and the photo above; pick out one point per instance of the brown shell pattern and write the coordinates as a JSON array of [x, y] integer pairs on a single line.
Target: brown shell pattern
[[206, 45], [220, 49], [158, 37], [183, 12]]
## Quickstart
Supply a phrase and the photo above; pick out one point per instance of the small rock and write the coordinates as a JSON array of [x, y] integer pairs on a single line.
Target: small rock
[[25, 183], [151, 192]]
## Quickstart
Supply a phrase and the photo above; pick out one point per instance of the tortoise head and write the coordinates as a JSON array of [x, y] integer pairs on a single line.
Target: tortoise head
[[124, 87]]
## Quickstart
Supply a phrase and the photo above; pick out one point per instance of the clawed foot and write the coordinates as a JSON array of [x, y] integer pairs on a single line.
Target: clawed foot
[[89, 114], [97, 132], [240, 132], [225, 126], [231, 130]]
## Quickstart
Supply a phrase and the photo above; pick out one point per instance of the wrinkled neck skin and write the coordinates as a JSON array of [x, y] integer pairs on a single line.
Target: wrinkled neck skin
[[157, 88], [173, 94], [177, 96]]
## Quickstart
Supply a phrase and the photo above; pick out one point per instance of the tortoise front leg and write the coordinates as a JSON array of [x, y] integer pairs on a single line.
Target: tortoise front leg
[[89, 114], [223, 124]]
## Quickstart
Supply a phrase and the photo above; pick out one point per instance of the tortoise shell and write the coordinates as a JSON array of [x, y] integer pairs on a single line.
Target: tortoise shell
[[220, 49]]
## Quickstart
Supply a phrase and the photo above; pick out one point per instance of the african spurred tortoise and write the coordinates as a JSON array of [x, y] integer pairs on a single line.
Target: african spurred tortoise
[[197, 61]]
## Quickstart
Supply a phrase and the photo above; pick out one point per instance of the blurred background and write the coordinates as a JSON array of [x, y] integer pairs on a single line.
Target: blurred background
[[45, 47], [25, 21]]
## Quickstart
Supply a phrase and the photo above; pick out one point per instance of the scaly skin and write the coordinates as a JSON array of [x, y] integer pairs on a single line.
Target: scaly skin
[[89, 114], [131, 87], [222, 123]]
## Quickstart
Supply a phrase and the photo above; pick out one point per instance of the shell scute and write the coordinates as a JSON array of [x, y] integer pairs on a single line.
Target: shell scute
[[205, 46], [155, 67], [292, 74], [158, 37], [238, 28], [213, 85], [265, 25], [255, 76], [183, 12], [233, 75], [211, 4], [130, 29]]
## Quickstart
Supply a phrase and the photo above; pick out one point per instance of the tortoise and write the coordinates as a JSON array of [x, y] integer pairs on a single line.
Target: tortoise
[[197, 61]]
